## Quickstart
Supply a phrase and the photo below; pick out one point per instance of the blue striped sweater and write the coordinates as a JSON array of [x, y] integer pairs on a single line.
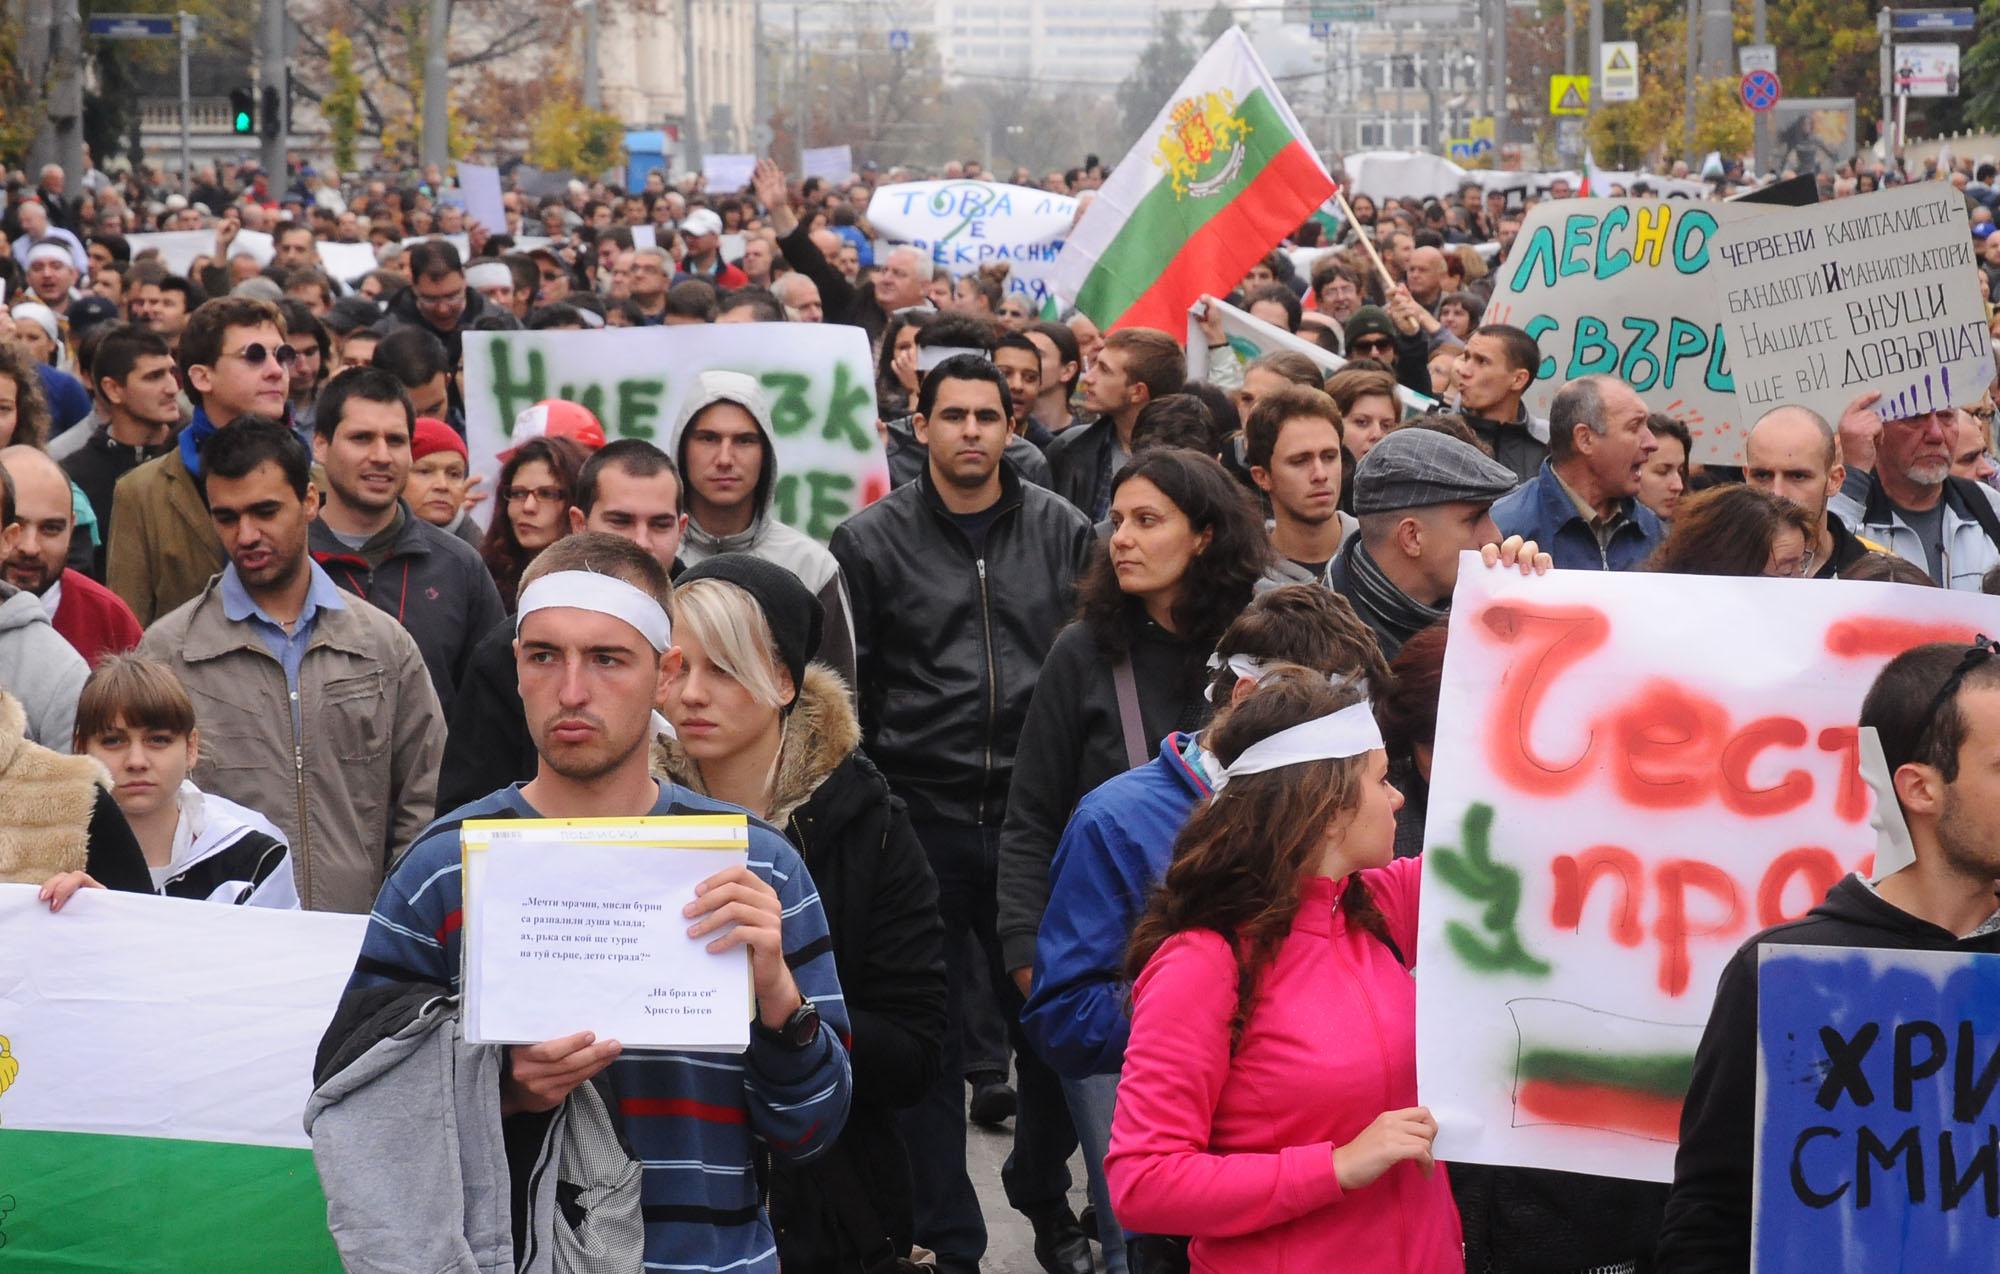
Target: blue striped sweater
[[693, 1118]]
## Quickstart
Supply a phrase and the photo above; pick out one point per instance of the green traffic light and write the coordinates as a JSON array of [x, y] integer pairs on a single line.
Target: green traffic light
[[242, 121]]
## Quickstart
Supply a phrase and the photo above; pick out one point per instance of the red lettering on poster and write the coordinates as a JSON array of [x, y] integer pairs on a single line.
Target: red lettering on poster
[[1552, 641], [1675, 878], [1577, 875], [1741, 752], [1850, 799], [1668, 738], [1817, 867], [1879, 637]]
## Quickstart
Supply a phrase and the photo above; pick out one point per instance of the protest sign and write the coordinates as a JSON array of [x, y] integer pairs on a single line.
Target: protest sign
[[966, 224], [819, 379], [828, 163], [727, 174], [155, 1060], [1622, 287], [1875, 292], [1251, 337], [179, 248], [1876, 1072], [480, 184], [1633, 773], [346, 261]]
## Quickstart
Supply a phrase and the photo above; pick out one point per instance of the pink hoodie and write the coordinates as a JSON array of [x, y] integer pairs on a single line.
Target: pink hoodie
[[1238, 1150]]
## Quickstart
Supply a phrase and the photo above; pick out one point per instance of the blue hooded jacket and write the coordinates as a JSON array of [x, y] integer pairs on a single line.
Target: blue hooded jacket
[[1113, 851]]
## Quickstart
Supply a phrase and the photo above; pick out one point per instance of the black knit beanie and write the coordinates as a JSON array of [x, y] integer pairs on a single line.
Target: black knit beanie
[[794, 614]]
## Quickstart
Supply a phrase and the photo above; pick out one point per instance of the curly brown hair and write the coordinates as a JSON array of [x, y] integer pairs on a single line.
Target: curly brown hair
[[31, 410], [1241, 861], [502, 552], [1728, 530]]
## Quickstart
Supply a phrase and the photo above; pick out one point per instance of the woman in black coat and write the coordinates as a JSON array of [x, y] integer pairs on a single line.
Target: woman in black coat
[[760, 726]]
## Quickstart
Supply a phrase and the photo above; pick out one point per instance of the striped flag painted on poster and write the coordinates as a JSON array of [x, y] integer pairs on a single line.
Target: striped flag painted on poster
[[1220, 177], [155, 1060]]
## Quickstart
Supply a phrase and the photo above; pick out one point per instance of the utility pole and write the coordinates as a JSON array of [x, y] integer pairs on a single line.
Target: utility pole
[[276, 90], [1718, 39], [691, 108], [1500, 73], [1596, 67], [1569, 36], [1888, 86], [1687, 107], [184, 29], [798, 87], [53, 48], [593, 91], [1762, 119], [437, 86]]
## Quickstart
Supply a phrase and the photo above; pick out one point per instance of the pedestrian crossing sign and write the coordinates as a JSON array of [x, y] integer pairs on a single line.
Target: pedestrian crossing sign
[[1569, 95], [1618, 60]]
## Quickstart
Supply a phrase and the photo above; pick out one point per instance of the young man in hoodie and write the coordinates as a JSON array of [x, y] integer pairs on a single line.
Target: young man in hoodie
[[1936, 713], [723, 447]]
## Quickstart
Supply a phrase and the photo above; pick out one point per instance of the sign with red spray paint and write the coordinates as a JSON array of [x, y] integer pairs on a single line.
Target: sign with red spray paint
[[1633, 774]]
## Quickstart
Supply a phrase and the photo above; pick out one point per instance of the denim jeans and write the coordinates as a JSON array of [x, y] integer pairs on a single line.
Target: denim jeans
[[965, 859], [1090, 1105]]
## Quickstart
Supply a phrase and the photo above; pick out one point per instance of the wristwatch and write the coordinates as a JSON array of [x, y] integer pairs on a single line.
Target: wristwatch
[[798, 1032]]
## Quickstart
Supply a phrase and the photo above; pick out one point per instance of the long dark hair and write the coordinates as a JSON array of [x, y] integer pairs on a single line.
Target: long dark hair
[[1728, 530], [502, 552], [1219, 581], [1241, 861]]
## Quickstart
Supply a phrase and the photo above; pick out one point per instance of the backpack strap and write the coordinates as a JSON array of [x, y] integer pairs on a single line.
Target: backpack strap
[[1129, 718], [1982, 508]]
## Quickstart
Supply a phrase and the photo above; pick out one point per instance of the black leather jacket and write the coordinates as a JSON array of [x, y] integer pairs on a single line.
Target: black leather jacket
[[949, 642]]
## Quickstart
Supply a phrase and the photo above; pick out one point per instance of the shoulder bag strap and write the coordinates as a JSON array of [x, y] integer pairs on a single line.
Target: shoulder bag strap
[[1129, 718]]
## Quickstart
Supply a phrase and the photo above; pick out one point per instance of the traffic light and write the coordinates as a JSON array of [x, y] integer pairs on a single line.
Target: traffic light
[[242, 111], [273, 119]]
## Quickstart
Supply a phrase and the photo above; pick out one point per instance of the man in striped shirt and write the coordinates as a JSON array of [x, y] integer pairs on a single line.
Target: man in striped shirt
[[593, 660]]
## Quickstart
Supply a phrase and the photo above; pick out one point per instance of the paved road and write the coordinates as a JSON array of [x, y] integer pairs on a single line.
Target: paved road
[[1010, 1240]]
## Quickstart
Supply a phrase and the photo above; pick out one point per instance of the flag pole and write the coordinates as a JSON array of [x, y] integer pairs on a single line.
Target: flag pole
[[1361, 234]]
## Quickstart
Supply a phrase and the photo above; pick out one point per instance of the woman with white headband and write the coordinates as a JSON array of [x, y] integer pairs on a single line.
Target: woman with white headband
[[1268, 1106]]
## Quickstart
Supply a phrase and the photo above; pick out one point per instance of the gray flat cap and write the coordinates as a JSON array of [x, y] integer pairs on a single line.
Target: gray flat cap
[[1414, 468]]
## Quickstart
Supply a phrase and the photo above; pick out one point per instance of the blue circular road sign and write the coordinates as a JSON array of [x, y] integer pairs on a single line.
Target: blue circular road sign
[[1760, 90]]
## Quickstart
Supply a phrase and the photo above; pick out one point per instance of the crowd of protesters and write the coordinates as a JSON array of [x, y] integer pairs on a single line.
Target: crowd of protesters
[[1088, 765]]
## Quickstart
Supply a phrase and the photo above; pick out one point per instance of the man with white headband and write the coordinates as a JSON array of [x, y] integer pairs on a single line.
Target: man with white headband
[[1930, 747], [52, 275], [493, 280], [594, 655]]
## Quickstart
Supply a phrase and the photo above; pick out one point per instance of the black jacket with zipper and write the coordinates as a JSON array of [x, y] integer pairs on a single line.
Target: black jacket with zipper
[[949, 642], [1709, 1206]]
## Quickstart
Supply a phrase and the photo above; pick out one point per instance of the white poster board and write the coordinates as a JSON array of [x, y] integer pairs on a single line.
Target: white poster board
[[828, 163], [480, 184], [1634, 772], [727, 174], [1926, 70], [346, 261], [966, 224], [1874, 292], [819, 379]]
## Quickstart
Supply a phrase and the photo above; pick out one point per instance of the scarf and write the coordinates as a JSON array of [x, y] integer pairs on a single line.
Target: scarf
[[1399, 613]]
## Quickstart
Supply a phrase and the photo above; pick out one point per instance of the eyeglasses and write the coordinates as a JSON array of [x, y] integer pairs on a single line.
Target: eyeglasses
[[448, 301], [254, 354], [541, 495], [1374, 343]]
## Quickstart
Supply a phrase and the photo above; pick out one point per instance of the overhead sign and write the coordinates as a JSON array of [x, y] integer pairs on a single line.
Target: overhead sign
[[1618, 69], [1760, 90], [899, 40], [1569, 95], [1757, 57], [1875, 1109], [1927, 70], [1634, 772], [1932, 19], [1873, 292], [131, 26]]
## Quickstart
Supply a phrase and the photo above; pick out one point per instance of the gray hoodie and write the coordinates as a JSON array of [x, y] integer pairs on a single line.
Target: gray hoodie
[[39, 667]]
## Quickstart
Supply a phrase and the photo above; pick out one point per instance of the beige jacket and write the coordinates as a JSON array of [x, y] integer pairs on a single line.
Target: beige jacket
[[48, 797], [359, 784]]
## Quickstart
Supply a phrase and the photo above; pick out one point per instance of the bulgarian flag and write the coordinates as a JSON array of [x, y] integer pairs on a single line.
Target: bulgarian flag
[[1588, 186], [155, 1060], [1220, 178]]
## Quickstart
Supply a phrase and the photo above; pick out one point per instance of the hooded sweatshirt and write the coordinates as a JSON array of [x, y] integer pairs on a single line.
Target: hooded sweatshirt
[[228, 853], [767, 537], [39, 667], [1708, 1210]]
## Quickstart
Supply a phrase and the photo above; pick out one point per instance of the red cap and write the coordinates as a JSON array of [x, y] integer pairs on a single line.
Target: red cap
[[556, 418], [433, 435]]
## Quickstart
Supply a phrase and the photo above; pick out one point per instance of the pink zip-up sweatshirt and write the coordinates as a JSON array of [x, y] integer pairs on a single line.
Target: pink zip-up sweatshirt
[[1237, 1150]]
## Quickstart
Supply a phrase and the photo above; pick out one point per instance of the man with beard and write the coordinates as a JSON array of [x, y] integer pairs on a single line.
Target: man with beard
[[1791, 453], [1912, 503], [88, 615]]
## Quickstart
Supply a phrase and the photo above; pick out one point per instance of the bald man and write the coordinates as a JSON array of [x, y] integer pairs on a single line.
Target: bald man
[[89, 616], [1791, 452], [1424, 275]]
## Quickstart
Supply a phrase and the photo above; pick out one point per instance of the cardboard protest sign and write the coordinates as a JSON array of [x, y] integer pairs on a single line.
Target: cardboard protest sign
[[179, 248], [828, 163], [1251, 337], [1876, 1105], [967, 224], [155, 1059], [480, 185], [346, 261], [1633, 773], [1623, 287], [819, 379], [1874, 292], [727, 174]]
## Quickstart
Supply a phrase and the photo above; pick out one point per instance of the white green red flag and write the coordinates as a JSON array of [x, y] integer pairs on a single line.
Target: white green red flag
[[1223, 174], [155, 1060]]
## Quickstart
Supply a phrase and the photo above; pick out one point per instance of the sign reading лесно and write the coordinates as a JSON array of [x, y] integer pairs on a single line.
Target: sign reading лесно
[[1874, 292], [1625, 287], [818, 379], [966, 224], [1634, 773], [1876, 1104]]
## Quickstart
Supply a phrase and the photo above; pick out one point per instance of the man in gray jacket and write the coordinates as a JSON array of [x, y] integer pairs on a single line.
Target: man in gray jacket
[[315, 707], [37, 665]]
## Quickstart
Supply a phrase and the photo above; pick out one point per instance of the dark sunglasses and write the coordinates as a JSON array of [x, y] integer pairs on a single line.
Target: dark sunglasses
[[255, 353], [1373, 342]]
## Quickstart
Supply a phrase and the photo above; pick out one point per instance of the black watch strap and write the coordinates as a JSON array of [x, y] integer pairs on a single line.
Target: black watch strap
[[799, 1030]]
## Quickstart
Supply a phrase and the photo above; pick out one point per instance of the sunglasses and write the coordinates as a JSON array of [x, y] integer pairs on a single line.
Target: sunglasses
[[1373, 343], [255, 354]]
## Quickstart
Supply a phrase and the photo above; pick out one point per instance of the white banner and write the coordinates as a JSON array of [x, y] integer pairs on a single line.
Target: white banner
[[480, 185], [1251, 337], [179, 248], [346, 261], [1874, 292], [819, 379], [727, 174], [966, 224], [1634, 773], [829, 163]]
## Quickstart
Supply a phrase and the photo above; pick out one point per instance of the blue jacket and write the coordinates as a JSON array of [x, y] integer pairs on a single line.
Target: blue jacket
[[1540, 510], [1114, 850]]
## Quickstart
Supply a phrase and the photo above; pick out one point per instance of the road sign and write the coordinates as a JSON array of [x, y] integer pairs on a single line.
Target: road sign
[[1569, 95], [1757, 57], [1927, 70], [1760, 90], [899, 40], [1619, 70], [1931, 19], [1469, 149], [1355, 11], [1322, 30], [132, 26]]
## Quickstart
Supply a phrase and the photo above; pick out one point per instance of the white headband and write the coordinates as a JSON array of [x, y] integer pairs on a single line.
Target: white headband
[[489, 274], [1893, 850], [50, 252], [1349, 732], [1246, 668], [40, 315], [589, 590], [929, 356]]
